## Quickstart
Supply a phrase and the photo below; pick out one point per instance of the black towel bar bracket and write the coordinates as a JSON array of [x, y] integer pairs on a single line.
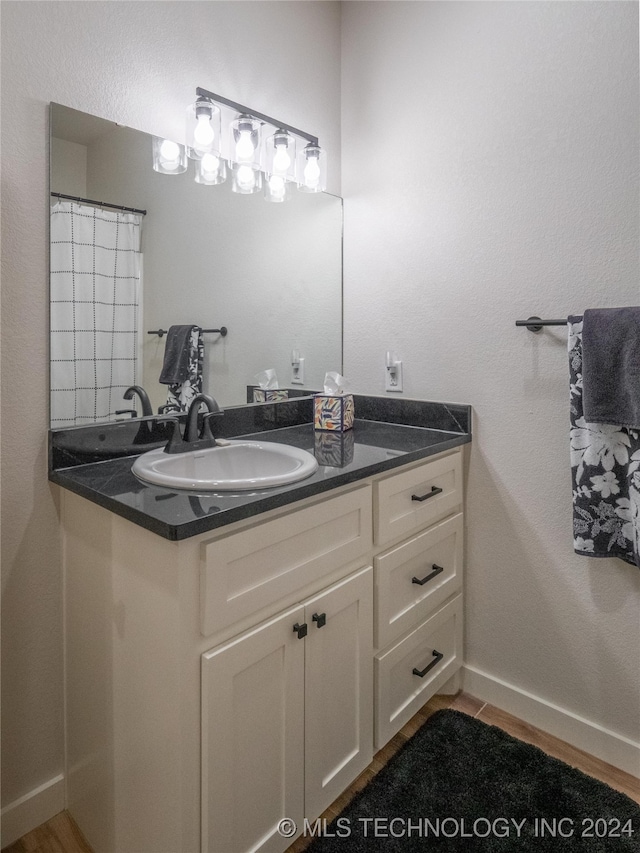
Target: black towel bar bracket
[[222, 331], [535, 324]]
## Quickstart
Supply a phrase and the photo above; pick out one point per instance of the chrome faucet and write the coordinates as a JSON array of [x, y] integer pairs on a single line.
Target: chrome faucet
[[191, 429], [144, 398]]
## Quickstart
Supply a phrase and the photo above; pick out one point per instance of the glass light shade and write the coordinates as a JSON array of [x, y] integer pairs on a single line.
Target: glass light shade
[[280, 155], [276, 188], [211, 169], [312, 169], [246, 179], [245, 140], [169, 158], [202, 129]]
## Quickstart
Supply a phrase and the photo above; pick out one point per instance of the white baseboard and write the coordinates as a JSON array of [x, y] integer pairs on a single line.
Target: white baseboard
[[35, 808], [578, 731]]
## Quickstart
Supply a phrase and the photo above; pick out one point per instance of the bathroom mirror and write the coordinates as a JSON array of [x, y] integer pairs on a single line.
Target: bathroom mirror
[[270, 273]]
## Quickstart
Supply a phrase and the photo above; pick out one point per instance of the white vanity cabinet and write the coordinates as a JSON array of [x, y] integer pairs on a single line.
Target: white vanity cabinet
[[219, 684]]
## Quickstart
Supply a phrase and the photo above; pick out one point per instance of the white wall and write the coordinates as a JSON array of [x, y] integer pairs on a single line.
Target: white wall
[[490, 172], [137, 63]]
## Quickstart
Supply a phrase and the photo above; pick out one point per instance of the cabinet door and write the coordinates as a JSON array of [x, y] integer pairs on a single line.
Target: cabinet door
[[253, 737], [338, 689]]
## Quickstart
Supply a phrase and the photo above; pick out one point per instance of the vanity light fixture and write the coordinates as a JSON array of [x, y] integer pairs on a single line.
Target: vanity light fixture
[[222, 135]]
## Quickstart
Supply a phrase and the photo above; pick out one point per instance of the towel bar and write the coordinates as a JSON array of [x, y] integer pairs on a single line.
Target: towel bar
[[534, 324], [222, 331]]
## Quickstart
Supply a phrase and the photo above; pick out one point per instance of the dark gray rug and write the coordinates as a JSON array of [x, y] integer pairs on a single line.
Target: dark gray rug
[[461, 785]]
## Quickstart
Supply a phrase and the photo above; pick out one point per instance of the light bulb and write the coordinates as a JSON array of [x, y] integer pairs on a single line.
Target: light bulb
[[281, 159], [169, 158], [246, 177], [203, 133], [312, 172], [276, 187], [210, 163], [169, 151], [244, 146]]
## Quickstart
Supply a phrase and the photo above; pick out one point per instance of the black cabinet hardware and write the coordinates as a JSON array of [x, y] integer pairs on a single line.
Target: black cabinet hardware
[[435, 490], [300, 630], [320, 619], [436, 571], [437, 657]]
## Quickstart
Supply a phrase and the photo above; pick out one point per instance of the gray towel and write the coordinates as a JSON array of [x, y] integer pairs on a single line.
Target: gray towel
[[611, 366], [175, 367]]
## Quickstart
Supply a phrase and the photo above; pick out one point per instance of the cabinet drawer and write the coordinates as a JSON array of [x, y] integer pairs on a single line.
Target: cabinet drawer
[[400, 692], [435, 559], [406, 502], [267, 564]]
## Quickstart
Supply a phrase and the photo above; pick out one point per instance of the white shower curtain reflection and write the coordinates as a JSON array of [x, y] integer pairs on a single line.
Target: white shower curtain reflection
[[95, 296]]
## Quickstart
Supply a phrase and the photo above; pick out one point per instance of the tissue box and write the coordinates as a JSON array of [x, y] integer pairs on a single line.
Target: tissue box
[[334, 449], [273, 395], [333, 412]]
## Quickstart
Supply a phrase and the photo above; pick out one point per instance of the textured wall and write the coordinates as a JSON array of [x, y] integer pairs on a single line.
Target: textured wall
[[490, 156], [137, 63]]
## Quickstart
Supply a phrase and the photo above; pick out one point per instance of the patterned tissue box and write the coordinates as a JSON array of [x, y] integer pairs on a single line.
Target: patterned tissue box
[[334, 449], [274, 395], [333, 412]]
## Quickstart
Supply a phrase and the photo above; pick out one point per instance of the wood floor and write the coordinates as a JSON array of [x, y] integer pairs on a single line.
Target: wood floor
[[58, 835], [61, 835]]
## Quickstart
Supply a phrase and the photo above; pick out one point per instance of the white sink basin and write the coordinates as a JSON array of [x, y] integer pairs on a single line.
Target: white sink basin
[[236, 466]]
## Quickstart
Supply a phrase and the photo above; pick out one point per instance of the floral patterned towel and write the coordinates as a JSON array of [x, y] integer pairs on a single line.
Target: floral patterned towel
[[605, 469], [180, 395]]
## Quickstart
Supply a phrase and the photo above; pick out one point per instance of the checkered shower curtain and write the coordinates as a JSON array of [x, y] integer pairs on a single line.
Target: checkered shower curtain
[[95, 297]]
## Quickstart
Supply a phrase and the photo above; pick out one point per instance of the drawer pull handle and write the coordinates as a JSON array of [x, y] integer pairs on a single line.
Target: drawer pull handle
[[320, 619], [435, 490], [436, 571], [300, 630], [437, 657]]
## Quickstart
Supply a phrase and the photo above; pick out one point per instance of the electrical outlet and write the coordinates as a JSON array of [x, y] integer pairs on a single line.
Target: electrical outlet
[[297, 372], [393, 374]]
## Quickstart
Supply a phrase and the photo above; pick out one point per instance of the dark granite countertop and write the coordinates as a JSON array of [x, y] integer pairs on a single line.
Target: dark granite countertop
[[371, 447]]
